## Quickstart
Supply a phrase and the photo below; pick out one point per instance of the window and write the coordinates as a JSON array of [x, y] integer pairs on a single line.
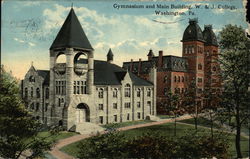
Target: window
[[182, 78], [214, 68], [179, 79], [115, 92], [138, 92], [32, 79], [138, 115], [127, 116], [182, 90], [46, 107], [100, 93], [115, 118], [138, 104], [148, 92], [165, 79], [100, 106], [186, 50], [59, 102], [101, 119], [200, 67], [114, 105], [165, 91], [127, 90], [38, 93], [47, 93], [127, 105], [192, 49], [149, 103], [25, 92], [175, 79], [32, 106], [199, 80], [61, 87], [31, 92], [37, 106]]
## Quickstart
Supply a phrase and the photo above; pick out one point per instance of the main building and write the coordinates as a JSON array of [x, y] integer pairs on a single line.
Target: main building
[[82, 90], [198, 64]]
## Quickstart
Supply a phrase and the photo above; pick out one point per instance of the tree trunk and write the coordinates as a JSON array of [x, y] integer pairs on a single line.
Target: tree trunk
[[175, 124], [195, 123], [211, 124], [237, 138]]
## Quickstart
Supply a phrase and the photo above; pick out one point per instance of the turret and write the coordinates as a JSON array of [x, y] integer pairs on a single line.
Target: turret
[[110, 56]]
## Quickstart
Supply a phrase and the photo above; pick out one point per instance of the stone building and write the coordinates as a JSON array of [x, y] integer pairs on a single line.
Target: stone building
[[199, 63], [82, 90]]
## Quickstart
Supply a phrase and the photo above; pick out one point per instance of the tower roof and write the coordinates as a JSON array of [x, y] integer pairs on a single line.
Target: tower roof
[[193, 32], [209, 36], [110, 55], [150, 53], [71, 34]]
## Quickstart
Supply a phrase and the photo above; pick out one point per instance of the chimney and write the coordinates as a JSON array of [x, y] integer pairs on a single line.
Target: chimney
[[150, 55], [160, 59], [139, 67], [131, 65]]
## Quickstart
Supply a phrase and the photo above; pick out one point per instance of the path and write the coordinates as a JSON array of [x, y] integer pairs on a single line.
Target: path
[[61, 143]]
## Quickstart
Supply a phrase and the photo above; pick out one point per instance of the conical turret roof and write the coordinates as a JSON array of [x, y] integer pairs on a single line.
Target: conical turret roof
[[110, 55], [71, 34]]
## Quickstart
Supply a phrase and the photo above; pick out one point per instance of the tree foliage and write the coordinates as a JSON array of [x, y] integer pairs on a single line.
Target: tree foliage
[[234, 59], [18, 130], [192, 145]]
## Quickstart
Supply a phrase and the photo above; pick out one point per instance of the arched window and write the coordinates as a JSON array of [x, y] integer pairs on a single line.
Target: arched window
[[182, 78], [192, 49], [100, 93], [127, 90], [175, 79], [179, 79], [138, 92], [214, 68], [25, 92], [31, 92], [165, 79], [200, 67], [47, 93], [32, 79], [38, 93], [59, 102], [115, 92], [148, 92]]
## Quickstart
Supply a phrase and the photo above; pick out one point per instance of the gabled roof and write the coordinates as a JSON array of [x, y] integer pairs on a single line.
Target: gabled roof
[[45, 75], [71, 34], [110, 74]]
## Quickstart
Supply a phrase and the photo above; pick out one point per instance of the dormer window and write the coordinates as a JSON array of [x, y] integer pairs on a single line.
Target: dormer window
[[100, 93]]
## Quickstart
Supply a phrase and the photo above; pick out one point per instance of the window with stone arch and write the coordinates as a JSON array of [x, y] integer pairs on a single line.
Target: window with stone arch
[[100, 93], [127, 90], [115, 93], [38, 92], [60, 65], [199, 66], [138, 92]]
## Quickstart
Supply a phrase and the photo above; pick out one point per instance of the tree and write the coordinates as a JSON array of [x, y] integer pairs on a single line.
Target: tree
[[18, 130], [191, 101], [234, 59], [172, 106]]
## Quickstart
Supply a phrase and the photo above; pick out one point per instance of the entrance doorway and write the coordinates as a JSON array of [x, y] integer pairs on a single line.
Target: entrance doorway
[[82, 113]]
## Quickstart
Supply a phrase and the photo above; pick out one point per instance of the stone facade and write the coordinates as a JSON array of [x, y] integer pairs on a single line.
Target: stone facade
[[82, 89]]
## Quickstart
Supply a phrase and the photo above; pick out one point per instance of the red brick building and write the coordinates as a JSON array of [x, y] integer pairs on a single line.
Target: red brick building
[[198, 62]]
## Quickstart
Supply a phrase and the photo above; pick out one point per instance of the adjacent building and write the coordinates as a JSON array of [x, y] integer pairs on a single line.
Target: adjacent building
[[198, 64]]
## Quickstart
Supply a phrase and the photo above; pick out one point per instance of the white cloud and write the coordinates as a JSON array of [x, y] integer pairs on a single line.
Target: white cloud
[[31, 44], [19, 40]]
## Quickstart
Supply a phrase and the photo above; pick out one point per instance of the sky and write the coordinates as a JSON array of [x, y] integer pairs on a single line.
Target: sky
[[29, 28]]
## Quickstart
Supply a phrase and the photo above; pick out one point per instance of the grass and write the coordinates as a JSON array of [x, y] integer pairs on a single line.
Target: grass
[[165, 116], [201, 121], [129, 123], [166, 130], [59, 136]]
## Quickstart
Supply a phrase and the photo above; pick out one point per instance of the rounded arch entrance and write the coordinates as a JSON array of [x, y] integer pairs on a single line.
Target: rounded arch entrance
[[82, 113]]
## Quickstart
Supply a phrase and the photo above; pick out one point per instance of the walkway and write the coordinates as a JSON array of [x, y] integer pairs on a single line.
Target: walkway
[[61, 143]]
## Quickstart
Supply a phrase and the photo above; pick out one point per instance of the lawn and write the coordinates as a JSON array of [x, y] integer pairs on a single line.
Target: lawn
[[60, 135], [129, 123], [165, 116], [201, 121], [164, 129]]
